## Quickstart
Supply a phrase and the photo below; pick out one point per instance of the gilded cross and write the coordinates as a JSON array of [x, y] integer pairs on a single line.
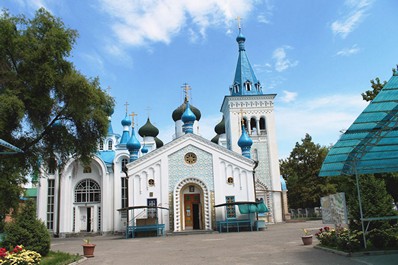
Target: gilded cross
[[132, 118], [186, 88], [238, 18]]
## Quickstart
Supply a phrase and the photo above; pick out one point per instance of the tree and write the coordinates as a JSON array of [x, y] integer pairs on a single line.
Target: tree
[[28, 231], [369, 95], [374, 197], [301, 171], [47, 107]]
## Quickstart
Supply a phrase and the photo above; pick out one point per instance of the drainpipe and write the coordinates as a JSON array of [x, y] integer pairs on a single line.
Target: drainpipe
[[254, 183], [59, 202], [124, 169]]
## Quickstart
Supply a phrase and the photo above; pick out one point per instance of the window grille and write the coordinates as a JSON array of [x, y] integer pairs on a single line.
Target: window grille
[[87, 190], [50, 204]]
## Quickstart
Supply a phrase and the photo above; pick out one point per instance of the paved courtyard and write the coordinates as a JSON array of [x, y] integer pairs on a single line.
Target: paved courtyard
[[279, 244]]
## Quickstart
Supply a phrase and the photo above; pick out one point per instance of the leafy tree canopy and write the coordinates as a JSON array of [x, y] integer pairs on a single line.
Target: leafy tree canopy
[[301, 171], [47, 107]]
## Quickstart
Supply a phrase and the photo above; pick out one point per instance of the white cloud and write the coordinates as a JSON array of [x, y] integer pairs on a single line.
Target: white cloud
[[349, 51], [282, 63], [353, 16], [138, 22], [323, 118], [288, 96]]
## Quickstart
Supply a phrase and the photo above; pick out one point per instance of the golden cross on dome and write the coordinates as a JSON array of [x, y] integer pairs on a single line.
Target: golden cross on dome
[[241, 117], [132, 118], [126, 105], [238, 18], [186, 88]]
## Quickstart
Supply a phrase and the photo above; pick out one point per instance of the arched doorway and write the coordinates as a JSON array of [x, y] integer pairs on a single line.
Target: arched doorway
[[191, 205], [192, 198], [87, 199]]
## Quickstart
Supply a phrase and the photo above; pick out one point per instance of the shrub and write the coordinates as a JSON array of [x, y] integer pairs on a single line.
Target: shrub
[[340, 238], [27, 230], [384, 238]]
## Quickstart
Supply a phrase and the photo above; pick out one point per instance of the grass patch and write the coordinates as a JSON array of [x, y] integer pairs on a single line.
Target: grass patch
[[59, 258]]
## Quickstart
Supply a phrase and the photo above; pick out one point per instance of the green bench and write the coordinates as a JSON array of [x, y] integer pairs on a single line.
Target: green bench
[[131, 230], [234, 223]]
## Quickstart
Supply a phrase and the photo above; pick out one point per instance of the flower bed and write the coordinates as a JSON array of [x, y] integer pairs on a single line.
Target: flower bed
[[352, 240], [19, 256]]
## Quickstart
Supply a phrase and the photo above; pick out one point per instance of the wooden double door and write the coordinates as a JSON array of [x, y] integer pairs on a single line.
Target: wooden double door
[[192, 211]]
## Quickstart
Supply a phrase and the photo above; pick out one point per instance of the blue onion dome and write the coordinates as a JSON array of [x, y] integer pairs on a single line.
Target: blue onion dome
[[133, 143], [240, 37], [148, 130], [177, 113], [126, 121], [158, 142], [144, 149], [215, 139], [244, 140], [188, 115], [220, 127], [57, 124]]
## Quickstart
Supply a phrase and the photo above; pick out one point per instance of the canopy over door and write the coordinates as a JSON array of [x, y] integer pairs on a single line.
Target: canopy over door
[[370, 145]]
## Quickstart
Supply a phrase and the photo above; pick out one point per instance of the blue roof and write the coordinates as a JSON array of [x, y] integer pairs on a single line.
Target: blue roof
[[370, 145], [107, 156], [110, 129], [9, 148], [245, 81]]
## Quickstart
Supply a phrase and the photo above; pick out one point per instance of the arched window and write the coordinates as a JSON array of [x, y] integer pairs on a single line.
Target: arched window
[[248, 86], [87, 190], [245, 123], [253, 124], [110, 144], [124, 163], [101, 145], [258, 86], [262, 126]]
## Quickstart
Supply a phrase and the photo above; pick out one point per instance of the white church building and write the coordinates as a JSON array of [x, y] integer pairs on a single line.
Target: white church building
[[188, 176]]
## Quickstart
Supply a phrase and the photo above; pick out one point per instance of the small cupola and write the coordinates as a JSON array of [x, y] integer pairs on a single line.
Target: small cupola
[[188, 118], [245, 143]]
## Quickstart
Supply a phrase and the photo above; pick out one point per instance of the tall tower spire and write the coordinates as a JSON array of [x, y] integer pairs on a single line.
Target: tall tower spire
[[245, 81]]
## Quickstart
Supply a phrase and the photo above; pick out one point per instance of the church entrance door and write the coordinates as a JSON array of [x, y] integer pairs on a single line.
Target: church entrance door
[[192, 211], [86, 219]]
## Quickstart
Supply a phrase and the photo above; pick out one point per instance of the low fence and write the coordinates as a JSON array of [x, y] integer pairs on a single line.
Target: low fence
[[306, 213]]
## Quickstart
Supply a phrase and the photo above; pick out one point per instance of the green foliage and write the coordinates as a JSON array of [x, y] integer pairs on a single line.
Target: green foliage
[[59, 258], [47, 107], [301, 171], [27, 230], [369, 95], [384, 238], [374, 197], [340, 238]]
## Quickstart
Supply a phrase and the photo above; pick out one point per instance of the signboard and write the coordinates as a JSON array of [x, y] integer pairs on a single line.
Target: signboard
[[334, 209]]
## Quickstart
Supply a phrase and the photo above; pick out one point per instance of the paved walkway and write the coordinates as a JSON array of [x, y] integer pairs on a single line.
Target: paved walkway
[[279, 244]]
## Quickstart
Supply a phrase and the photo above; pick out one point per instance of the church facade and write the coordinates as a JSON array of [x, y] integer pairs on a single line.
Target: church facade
[[186, 177]]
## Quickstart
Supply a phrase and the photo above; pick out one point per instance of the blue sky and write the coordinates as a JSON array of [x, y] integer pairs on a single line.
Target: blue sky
[[318, 56]]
